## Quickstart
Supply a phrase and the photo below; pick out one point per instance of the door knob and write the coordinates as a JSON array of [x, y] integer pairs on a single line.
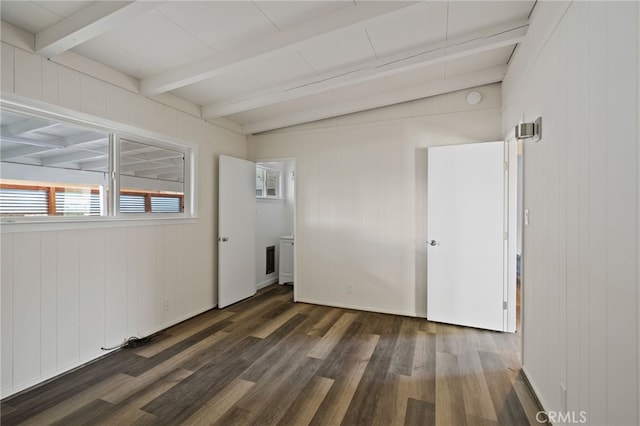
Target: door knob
[[432, 242]]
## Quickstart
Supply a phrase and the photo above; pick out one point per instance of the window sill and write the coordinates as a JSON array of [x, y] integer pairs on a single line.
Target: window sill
[[12, 225], [270, 199]]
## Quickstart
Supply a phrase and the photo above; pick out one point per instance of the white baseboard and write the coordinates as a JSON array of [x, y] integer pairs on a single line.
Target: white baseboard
[[533, 388], [359, 308], [265, 283]]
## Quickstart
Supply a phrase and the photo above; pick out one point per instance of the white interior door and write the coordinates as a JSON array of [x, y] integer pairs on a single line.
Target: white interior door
[[465, 225], [236, 230]]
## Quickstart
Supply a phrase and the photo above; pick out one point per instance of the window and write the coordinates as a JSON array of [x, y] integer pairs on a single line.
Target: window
[[54, 167], [268, 183]]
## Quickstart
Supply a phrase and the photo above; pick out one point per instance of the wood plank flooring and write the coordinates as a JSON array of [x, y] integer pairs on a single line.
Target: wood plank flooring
[[268, 361]]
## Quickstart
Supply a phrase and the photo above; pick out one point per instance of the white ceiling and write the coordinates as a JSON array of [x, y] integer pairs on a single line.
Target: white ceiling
[[268, 64]]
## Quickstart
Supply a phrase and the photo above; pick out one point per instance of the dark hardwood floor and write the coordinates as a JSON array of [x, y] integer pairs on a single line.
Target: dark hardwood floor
[[269, 361]]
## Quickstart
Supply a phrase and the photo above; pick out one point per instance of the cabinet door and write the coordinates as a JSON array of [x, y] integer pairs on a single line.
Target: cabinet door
[[286, 258]]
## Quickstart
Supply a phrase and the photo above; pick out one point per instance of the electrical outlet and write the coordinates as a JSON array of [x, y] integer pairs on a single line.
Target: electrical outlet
[[349, 288], [166, 304]]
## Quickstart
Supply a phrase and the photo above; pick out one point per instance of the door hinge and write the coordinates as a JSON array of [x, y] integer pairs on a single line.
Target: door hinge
[[506, 165], [505, 235], [504, 305]]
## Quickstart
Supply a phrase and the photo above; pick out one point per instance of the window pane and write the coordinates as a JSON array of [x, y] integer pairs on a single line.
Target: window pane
[[153, 170], [24, 202], [132, 203], [166, 204], [259, 182], [43, 152], [272, 183], [78, 202]]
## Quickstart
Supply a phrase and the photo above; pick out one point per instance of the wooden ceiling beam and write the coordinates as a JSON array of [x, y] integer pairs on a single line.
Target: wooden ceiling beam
[[431, 88], [490, 39], [89, 22], [257, 50]]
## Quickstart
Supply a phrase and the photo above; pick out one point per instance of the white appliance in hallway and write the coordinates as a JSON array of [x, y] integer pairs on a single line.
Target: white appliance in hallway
[[286, 263]]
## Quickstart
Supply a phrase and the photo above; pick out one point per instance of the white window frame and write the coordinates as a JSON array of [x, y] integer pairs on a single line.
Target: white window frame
[[116, 132], [279, 188]]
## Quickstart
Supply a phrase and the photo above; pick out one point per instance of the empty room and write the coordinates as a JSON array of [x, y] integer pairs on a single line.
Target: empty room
[[319, 212]]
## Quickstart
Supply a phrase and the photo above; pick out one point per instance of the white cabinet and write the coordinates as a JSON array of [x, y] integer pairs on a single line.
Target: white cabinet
[[285, 266]]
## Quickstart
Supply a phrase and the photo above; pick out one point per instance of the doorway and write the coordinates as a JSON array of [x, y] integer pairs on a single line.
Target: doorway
[[474, 234], [275, 221]]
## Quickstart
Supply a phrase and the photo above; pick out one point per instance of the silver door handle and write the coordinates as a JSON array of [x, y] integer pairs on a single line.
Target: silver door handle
[[223, 239], [432, 243]]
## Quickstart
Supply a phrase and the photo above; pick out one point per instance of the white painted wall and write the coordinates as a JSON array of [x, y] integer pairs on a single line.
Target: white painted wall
[[361, 188], [578, 69], [67, 292], [274, 218]]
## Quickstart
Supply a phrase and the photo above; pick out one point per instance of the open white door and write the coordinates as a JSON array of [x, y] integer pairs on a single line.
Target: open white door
[[236, 230], [465, 224]]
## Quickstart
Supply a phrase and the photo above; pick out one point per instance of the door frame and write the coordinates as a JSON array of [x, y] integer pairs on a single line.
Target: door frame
[[516, 149], [296, 244]]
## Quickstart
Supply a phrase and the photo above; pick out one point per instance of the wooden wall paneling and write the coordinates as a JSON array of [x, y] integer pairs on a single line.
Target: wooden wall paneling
[[326, 225], [316, 254], [554, 110], [117, 104], [598, 182], [69, 88], [147, 282], [173, 271], [133, 282], [93, 97], [149, 114], [306, 177], [28, 74], [371, 230], [394, 169], [134, 109], [584, 332], [160, 280], [574, 210], [49, 303], [622, 204], [185, 296], [50, 82], [68, 298], [169, 121], [26, 319], [7, 67], [6, 304], [116, 287], [91, 292], [355, 271]]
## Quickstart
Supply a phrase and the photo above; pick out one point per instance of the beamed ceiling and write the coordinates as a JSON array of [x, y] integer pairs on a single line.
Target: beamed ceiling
[[272, 64]]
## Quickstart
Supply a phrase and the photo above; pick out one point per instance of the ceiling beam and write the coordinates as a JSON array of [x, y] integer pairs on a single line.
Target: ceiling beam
[[77, 156], [158, 171], [136, 167], [431, 88], [494, 38], [89, 22], [24, 151], [28, 126], [233, 59]]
